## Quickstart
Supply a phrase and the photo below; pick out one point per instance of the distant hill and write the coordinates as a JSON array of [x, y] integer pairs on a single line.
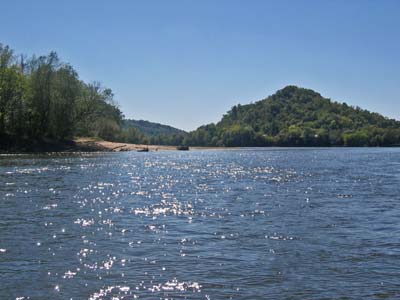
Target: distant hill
[[296, 116], [151, 129]]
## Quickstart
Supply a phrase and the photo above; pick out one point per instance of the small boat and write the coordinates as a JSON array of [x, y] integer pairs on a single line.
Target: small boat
[[143, 150], [182, 148]]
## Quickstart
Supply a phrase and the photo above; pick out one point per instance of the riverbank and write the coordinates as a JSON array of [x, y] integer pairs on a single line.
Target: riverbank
[[100, 145], [77, 145], [88, 144]]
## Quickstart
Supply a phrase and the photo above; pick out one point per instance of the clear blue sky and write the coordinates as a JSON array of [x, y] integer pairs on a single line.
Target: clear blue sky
[[185, 63]]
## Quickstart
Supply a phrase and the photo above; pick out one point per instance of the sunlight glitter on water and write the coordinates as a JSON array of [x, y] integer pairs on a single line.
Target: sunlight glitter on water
[[199, 225]]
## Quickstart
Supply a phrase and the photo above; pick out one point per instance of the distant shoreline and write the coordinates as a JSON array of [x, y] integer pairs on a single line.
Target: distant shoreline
[[95, 145], [78, 145]]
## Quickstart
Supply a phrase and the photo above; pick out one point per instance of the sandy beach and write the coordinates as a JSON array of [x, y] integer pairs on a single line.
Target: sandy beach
[[100, 145]]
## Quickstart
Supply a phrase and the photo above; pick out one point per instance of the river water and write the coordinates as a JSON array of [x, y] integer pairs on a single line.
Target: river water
[[241, 224]]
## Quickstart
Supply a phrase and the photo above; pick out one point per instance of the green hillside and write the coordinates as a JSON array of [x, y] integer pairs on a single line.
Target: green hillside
[[151, 129], [296, 116]]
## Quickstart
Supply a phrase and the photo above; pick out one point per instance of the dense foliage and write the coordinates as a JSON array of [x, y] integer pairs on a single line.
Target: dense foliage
[[42, 98], [298, 117]]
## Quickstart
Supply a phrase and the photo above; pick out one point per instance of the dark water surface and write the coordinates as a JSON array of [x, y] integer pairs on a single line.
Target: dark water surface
[[247, 224]]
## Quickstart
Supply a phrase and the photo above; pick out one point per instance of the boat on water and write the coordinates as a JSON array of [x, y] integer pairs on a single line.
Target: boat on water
[[143, 150], [182, 148]]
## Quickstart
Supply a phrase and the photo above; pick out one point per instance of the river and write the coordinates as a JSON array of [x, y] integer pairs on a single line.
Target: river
[[238, 224]]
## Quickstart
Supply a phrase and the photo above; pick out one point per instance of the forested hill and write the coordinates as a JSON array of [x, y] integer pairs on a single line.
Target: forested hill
[[296, 116], [151, 129]]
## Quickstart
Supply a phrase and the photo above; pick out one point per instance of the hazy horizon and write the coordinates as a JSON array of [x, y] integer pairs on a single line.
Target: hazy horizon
[[185, 63]]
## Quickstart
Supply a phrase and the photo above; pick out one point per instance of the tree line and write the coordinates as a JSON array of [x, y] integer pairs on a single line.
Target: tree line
[[42, 98]]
